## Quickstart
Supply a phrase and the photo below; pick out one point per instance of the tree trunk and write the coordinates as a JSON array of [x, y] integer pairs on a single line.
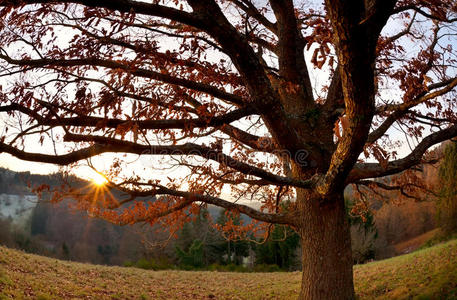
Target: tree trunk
[[326, 249]]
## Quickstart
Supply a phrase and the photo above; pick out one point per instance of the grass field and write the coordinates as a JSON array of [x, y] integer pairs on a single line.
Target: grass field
[[426, 274]]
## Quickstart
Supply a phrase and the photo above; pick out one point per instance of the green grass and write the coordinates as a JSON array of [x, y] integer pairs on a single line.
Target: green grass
[[429, 273], [426, 274]]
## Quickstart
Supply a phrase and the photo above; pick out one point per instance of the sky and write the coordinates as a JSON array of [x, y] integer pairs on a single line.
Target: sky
[[10, 162]]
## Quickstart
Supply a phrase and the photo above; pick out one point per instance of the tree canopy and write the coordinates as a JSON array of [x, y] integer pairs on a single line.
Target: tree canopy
[[277, 100]]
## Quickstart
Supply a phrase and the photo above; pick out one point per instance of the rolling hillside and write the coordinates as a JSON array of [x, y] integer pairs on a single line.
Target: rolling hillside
[[426, 274]]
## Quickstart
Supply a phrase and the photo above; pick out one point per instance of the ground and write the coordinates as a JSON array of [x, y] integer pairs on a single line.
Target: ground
[[425, 274]]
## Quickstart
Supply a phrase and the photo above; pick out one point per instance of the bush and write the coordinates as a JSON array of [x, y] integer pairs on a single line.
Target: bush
[[264, 268], [128, 264], [144, 264], [149, 264], [228, 268]]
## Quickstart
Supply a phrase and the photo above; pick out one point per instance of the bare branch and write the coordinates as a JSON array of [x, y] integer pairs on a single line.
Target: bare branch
[[400, 110], [105, 144], [447, 86], [88, 121], [401, 188], [373, 170], [125, 6], [253, 12], [93, 61], [278, 218], [423, 13], [292, 65]]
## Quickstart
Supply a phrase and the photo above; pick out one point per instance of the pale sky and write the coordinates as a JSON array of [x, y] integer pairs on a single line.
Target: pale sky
[[7, 161]]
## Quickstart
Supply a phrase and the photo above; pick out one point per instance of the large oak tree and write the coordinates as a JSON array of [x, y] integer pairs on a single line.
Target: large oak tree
[[276, 99]]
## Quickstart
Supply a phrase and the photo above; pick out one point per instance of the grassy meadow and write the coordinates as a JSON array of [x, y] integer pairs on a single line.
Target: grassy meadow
[[426, 274]]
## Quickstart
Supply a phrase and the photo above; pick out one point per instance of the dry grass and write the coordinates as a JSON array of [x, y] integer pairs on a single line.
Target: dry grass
[[426, 274]]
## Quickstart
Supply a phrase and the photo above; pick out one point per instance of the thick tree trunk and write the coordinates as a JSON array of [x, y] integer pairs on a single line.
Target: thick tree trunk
[[326, 244]]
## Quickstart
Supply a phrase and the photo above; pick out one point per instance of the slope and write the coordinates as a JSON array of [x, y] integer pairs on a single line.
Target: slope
[[426, 274]]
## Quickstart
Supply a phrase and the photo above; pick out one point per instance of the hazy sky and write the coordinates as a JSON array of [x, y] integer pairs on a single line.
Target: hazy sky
[[7, 161]]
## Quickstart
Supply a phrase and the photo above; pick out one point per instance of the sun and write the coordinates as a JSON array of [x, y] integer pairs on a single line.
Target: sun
[[98, 179]]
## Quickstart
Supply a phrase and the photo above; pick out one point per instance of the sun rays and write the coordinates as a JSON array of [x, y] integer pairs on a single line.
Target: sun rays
[[97, 179]]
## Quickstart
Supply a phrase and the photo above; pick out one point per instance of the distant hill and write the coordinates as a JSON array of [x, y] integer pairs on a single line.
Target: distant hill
[[17, 199], [57, 230], [18, 208], [19, 183]]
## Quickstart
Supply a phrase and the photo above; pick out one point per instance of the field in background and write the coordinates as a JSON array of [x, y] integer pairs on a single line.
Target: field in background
[[426, 274]]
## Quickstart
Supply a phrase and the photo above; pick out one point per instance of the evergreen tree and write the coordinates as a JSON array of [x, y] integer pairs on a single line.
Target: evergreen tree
[[280, 249], [192, 257], [201, 239], [39, 219], [234, 250], [65, 251]]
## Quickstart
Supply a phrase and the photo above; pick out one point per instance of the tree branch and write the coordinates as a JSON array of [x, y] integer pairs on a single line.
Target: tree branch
[[93, 61], [355, 44], [124, 6], [374, 170], [265, 98], [400, 110], [253, 12], [447, 86], [419, 10], [401, 188], [278, 218], [188, 149], [88, 121], [292, 65], [255, 142]]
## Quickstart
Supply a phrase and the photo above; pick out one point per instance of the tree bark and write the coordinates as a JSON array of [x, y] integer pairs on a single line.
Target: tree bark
[[326, 248]]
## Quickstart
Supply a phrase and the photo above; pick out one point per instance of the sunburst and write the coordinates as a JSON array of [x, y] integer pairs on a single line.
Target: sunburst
[[97, 178]]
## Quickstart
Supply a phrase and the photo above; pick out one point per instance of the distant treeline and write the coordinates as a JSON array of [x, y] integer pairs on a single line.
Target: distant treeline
[[60, 231], [19, 183]]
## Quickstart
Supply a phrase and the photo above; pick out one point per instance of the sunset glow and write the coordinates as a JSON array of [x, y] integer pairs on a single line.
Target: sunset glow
[[97, 178]]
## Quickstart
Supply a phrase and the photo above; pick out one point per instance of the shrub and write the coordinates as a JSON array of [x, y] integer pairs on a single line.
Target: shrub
[[265, 268], [150, 264]]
